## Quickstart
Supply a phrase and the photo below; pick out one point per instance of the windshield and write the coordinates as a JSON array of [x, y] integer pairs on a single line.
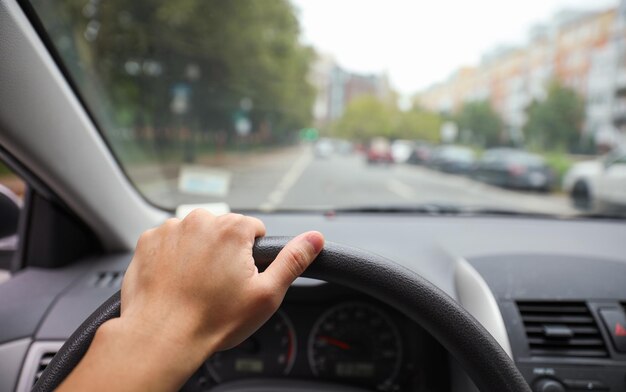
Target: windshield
[[309, 104]]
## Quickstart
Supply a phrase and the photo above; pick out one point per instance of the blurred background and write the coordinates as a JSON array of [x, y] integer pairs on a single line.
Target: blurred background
[[274, 104]]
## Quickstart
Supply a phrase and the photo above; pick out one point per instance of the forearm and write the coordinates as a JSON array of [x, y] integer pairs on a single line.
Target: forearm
[[126, 358]]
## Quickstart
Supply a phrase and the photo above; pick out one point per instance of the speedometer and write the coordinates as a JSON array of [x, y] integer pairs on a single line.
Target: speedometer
[[269, 352], [356, 342]]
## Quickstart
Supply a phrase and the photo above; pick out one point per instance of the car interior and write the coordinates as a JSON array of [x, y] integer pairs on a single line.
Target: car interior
[[403, 298]]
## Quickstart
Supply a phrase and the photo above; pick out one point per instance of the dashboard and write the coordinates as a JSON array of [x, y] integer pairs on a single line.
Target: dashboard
[[327, 333], [550, 291]]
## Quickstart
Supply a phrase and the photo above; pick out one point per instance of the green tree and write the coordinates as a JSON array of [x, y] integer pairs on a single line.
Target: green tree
[[418, 124], [483, 123], [135, 53], [555, 123], [366, 117]]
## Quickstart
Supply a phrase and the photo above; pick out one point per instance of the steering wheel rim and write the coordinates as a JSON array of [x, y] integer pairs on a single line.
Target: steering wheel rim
[[466, 339]]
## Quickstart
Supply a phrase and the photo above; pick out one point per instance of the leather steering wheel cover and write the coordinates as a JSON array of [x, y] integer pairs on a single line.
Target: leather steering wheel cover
[[466, 339]]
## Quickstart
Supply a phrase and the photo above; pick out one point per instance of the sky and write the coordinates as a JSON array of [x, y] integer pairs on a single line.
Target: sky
[[417, 42]]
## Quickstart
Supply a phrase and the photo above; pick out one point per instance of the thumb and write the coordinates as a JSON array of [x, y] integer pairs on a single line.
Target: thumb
[[294, 258]]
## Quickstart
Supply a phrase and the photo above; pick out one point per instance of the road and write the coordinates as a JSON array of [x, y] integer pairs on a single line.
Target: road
[[295, 179]]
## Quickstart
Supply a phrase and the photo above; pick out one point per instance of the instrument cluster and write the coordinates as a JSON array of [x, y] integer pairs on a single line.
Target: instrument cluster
[[338, 337]]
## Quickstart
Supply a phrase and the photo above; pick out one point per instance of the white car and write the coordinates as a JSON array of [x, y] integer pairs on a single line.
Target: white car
[[324, 148], [401, 150], [599, 184]]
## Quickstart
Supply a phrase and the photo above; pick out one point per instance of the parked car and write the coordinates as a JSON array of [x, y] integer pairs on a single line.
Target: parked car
[[324, 148], [512, 168], [453, 159], [379, 151], [401, 150], [421, 153], [598, 184], [343, 147], [577, 182]]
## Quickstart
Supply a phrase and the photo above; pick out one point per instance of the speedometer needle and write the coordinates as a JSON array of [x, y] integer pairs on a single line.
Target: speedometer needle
[[335, 342]]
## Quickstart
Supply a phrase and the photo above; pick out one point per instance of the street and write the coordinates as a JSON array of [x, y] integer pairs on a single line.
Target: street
[[293, 178]]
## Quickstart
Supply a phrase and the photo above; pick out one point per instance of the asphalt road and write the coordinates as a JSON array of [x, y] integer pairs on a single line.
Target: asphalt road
[[295, 179]]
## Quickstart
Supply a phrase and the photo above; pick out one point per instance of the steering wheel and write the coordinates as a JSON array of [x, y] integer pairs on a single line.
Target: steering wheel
[[466, 339]]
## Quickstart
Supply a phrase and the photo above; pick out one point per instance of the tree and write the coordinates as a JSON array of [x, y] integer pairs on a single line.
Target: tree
[[482, 122], [136, 53], [368, 117], [555, 123], [364, 118], [418, 124]]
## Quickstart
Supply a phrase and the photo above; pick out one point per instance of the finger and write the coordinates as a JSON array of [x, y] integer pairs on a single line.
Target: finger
[[258, 226], [294, 258], [197, 219]]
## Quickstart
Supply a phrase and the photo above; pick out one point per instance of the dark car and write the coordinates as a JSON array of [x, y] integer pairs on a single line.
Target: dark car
[[453, 159], [511, 168], [421, 154]]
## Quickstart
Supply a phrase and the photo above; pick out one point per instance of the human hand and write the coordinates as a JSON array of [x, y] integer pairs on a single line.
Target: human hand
[[191, 289], [196, 279]]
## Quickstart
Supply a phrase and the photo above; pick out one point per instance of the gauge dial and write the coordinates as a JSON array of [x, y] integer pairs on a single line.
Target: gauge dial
[[357, 342], [270, 351]]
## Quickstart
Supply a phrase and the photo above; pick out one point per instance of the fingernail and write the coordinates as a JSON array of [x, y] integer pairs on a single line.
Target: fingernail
[[316, 239]]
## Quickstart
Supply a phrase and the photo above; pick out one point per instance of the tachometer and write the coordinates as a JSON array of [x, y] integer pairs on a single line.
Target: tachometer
[[357, 342], [270, 351]]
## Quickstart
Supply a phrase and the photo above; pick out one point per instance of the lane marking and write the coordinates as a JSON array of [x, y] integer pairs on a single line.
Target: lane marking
[[287, 182], [401, 189]]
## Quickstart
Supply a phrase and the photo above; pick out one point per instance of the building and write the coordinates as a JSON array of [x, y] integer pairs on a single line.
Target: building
[[320, 77], [576, 48], [576, 41], [600, 95], [618, 137], [337, 87]]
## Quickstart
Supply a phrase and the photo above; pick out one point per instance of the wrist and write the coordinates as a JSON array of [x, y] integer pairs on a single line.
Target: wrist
[[156, 357]]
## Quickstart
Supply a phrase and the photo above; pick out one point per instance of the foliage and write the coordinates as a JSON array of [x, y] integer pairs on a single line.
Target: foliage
[[482, 123], [137, 53], [555, 123], [4, 170], [364, 118], [367, 117], [559, 162], [418, 124]]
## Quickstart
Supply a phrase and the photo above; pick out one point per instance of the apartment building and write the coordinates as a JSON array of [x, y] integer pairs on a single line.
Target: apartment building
[[577, 48]]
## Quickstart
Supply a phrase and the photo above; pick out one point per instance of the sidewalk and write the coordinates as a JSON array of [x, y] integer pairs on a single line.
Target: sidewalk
[[227, 159]]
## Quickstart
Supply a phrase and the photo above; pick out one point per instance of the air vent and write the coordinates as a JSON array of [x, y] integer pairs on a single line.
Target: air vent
[[561, 329], [39, 356], [112, 279], [44, 360]]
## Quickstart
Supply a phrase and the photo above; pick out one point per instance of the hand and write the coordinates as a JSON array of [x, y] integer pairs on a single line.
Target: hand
[[196, 279], [191, 289]]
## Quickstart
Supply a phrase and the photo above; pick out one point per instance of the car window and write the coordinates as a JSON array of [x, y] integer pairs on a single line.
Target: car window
[[205, 101], [457, 152], [12, 192], [526, 159]]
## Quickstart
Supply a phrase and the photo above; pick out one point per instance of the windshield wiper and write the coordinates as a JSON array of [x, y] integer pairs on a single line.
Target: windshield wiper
[[453, 209], [441, 209], [600, 216], [431, 208]]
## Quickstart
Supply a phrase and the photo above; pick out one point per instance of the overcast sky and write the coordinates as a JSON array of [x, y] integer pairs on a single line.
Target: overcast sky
[[420, 42]]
